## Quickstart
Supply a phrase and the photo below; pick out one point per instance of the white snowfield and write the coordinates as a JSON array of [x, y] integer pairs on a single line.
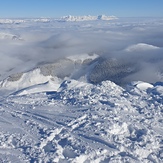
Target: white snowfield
[[77, 91], [82, 122]]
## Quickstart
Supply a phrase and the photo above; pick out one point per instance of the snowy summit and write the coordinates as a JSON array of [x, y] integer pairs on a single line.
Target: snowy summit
[[87, 18]]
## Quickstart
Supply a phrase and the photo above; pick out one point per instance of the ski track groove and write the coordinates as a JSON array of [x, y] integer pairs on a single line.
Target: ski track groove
[[17, 125]]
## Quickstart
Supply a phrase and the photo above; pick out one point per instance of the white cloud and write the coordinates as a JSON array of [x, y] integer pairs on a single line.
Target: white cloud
[[48, 42], [141, 47]]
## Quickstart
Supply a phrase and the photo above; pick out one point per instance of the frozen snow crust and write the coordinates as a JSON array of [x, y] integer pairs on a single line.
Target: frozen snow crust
[[82, 122]]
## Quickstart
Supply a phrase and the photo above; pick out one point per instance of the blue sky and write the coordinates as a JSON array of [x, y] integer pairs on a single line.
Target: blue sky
[[57, 8]]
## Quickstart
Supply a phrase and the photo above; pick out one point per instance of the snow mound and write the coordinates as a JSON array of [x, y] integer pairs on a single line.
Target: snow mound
[[38, 88], [84, 94], [23, 80], [87, 18], [143, 86]]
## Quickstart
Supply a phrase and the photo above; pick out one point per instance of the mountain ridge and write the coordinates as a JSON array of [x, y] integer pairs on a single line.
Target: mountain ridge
[[88, 18], [48, 20]]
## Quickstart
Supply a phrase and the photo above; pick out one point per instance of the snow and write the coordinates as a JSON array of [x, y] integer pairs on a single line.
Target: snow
[[33, 80], [64, 18], [87, 18], [143, 86], [47, 118], [82, 122], [44, 87]]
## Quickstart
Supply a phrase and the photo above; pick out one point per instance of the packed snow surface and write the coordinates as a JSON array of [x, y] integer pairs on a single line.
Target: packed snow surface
[[82, 122], [60, 101]]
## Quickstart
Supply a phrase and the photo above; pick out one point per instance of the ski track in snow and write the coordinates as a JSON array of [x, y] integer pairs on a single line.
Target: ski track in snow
[[84, 123]]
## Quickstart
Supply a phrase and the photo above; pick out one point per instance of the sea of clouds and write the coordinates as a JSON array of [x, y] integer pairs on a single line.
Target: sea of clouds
[[130, 40]]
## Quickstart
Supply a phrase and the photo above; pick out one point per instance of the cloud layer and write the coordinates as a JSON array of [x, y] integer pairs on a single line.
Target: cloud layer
[[136, 41]]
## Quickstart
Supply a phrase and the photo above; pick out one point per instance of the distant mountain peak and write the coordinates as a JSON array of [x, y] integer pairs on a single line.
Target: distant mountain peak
[[87, 18]]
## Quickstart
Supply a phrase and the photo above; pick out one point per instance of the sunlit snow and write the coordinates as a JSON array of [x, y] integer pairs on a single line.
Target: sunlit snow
[[81, 89]]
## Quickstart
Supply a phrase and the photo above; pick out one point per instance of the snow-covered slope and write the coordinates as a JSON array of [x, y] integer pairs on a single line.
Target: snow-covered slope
[[31, 79], [82, 122], [51, 73]]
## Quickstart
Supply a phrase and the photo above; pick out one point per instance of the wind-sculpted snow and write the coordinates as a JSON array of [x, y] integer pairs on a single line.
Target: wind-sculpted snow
[[83, 122]]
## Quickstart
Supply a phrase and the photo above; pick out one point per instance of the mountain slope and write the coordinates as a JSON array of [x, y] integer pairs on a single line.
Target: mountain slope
[[54, 73], [88, 68], [83, 122]]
